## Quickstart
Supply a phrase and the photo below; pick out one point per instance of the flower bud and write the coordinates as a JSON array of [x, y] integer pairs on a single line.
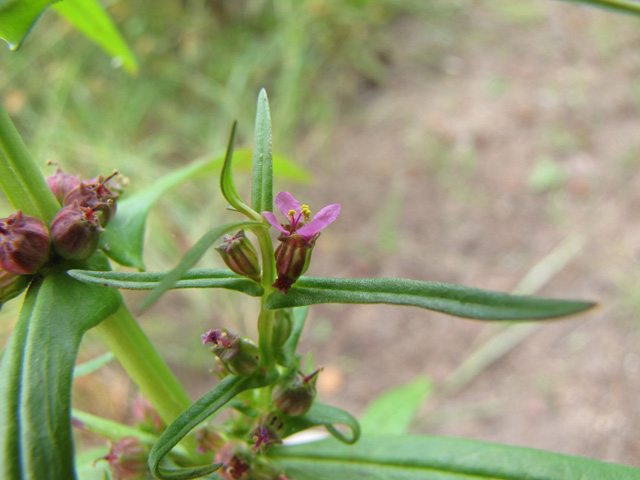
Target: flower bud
[[239, 355], [292, 259], [24, 244], [11, 285], [75, 232], [295, 395], [128, 459], [235, 458], [61, 184], [96, 195], [282, 326], [240, 256]]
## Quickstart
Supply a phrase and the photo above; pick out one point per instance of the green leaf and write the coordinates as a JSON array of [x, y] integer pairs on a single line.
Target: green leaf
[[35, 375], [452, 299], [262, 168], [197, 413], [91, 366], [17, 18], [227, 186], [416, 457], [92, 21], [192, 256], [20, 177], [392, 413], [622, 6], [195, 278], [328, 416]]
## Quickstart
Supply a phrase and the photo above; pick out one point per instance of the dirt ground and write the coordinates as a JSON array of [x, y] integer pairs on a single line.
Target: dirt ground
[[473, 169]]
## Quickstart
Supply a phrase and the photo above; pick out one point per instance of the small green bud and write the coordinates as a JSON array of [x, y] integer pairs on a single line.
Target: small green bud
[[240, 355], [75, 232], [282, 326], [24, 244], [240, 256], [295, 395]]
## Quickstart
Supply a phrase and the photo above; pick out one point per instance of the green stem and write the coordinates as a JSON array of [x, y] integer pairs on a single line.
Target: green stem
[[134, 351], [20, 177], [266, 317]]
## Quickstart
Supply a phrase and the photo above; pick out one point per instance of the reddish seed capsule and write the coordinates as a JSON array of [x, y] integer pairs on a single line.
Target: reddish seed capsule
[[24, 244], [75, 232], [239, 355], [62, 183], [295, 395], [292, 259]]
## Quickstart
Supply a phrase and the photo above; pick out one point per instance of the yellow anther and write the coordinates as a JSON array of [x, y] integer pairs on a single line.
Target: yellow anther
[[292, 212], [304, 209]]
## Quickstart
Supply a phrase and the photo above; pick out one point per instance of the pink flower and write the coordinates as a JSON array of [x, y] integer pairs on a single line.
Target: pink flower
[[298, 237], [299, 217]]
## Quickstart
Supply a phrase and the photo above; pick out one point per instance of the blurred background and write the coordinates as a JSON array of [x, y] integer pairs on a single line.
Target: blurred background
[[489, 143]]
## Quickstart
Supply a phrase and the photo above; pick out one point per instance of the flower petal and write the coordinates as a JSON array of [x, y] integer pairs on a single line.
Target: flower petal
[[286, 202], [271, 218], [320, 220]]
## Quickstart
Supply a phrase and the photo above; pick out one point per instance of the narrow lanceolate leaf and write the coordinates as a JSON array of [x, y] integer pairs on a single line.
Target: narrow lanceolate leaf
[[195, 278], [90, 18], [17, 18], [262, 169], [393, 412], [623, 6], [327, 416], [92, 365], [227, 187], [192, 256], [452, 299], [20, 177], [36, 372], [416, 457], [208, 404]]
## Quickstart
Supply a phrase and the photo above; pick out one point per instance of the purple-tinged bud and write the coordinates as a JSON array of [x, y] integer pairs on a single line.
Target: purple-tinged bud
[[62, 183], [240, 256], [292, 259], [11, 285], [295, 395], [75, 232], [24, 244], [96, 195], [239, 355], [235, 458], [128, 459], [267, 433]]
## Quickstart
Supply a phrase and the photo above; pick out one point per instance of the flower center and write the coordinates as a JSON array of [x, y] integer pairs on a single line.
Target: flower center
[[295, 219]]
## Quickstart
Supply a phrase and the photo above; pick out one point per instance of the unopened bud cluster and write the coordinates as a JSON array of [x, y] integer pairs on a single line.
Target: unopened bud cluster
[[27, 245], [239, 355]]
